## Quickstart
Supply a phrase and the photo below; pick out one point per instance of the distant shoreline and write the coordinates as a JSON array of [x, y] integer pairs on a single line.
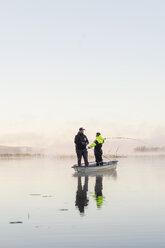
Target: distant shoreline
[[73, 157], [21, 155], [41, 155]]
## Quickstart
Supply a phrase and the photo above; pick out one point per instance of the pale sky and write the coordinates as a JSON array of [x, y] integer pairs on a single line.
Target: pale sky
[[96, 64]]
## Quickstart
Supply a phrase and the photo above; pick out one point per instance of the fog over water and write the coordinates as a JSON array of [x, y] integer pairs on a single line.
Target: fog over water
[[69, 64], [92, 64], [43, 203]]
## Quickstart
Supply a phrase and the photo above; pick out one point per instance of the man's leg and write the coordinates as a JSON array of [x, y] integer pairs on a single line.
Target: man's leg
[[85, 156], [101, 157], [79, 156], [96, 157]]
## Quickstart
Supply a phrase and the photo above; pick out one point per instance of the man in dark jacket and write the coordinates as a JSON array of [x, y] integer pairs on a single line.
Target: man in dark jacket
[[81, 142]]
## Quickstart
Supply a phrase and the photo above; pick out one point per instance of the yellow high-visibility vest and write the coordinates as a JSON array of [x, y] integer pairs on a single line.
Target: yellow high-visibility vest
[[99, 140]]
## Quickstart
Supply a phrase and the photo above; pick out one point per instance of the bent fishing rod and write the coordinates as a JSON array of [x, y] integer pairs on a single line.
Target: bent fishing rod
[[126, 138], [122, 138]]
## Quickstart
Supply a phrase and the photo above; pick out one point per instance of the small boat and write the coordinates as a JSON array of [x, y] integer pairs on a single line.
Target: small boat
[[93, 167]]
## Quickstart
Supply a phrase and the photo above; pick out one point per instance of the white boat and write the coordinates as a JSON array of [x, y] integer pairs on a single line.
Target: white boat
[[93, 167]]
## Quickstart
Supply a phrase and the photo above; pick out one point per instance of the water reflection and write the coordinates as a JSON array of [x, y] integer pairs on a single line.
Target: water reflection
[[82, 199], [98, 191], [81, 195]]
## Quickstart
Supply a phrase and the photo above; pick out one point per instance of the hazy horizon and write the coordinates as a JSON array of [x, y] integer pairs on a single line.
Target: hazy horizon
[[94, 64]]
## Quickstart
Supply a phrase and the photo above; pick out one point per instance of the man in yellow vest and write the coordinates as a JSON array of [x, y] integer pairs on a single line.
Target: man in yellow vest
[[97, 144]]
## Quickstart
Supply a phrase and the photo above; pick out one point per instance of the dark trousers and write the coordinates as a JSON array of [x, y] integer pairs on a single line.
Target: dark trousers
[[98, 156], [84, 154]]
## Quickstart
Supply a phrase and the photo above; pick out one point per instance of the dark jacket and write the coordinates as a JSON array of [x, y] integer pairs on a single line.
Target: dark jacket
[[98, 146], [81, 141]]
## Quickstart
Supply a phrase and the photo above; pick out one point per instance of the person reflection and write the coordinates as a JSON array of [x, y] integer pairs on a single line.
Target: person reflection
[[81, 195], [98, 191]]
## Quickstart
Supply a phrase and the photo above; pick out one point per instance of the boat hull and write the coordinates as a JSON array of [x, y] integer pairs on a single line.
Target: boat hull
[[92, 167]]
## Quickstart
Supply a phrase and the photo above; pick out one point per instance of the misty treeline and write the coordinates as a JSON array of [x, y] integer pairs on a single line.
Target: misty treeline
[[149, 149]]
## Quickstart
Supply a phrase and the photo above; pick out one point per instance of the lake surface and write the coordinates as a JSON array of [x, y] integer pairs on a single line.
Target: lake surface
[[124, 208]]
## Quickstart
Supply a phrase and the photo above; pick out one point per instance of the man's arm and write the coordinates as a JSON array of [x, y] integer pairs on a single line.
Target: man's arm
[[75, 139], [87, 142], [93, 144]]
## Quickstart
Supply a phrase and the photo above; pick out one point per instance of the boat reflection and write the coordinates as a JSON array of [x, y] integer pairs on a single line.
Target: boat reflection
[[82, 199]]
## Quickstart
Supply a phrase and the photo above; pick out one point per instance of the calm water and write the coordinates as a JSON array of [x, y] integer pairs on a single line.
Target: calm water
[[125, 208]]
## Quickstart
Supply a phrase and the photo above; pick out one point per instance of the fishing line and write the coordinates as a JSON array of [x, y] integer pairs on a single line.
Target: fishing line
[[127, 138], [110, 157]]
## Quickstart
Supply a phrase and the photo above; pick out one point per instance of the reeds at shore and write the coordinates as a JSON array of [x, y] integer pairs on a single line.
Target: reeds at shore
[[41, 155]]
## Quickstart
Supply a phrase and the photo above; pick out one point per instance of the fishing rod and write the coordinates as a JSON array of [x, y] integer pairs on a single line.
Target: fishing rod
[[123, 138], [117, 150], [108, 158], [127, 138]]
